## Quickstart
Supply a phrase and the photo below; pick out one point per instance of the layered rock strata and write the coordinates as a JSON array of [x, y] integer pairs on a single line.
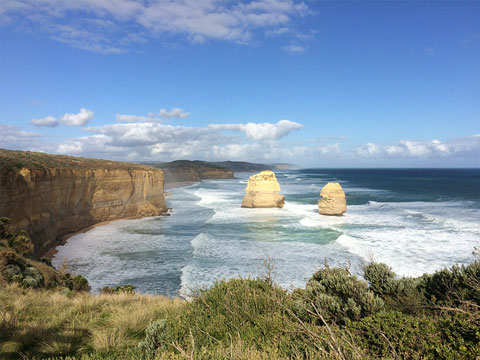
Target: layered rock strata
[[52, 196], [332, 200], [262, 191]]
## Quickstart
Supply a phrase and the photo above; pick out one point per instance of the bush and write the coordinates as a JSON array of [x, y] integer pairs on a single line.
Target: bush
[[406, 336], [21, 243], [404, 294], [80, 283], [250, 311], [5, 228], [155, 336], [454, 286], [127, 289], [336, 295]]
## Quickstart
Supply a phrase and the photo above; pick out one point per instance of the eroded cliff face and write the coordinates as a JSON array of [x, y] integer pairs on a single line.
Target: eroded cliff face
[[52, 202]]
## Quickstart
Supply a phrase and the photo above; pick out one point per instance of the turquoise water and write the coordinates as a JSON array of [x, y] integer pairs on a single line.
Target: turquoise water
[[414, 220]]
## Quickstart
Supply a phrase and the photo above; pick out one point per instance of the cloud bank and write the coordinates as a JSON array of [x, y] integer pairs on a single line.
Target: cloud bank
[[107, 26]]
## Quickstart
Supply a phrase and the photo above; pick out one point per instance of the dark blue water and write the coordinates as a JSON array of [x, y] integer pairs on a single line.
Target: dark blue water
[[415, 220]]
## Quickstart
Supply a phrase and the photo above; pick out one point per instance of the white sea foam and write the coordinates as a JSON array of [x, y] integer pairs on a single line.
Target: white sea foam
[[210, 237]]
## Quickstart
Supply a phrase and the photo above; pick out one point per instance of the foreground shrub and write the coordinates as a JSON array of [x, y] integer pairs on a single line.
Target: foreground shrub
[[80, 283], [155, 337], [127, 289], [413, 337], [454, 286], [404, 294], [333, 294], [251, 311], [21, 243]]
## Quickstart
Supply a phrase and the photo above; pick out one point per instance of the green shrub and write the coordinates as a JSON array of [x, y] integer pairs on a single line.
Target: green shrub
[[336, 295], [10, 271], [250, 311], [21, 243], [404, 294], [395, 334], [155, 336], [80, 283], [454, 286], [30, 282], [127, 289], [5, 227]]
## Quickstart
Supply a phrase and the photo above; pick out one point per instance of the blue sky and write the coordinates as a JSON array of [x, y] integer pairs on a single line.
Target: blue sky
[[324, 84]]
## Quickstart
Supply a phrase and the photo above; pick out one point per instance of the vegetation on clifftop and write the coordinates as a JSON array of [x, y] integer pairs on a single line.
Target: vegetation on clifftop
[[336, 316], [14, 160]]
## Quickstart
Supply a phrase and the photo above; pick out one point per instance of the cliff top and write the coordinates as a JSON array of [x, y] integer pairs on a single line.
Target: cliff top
[[14, 160], [195, 164]]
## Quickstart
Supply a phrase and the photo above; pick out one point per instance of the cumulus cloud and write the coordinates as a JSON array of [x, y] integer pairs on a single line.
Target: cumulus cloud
[[111, 26], [13, 137], [80, 119], [261, 131], [367, 149], [176, 113], [48, 121], [157, 141]]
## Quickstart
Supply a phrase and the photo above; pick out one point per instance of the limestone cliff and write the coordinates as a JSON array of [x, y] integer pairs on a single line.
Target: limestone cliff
[[52, 196], [262, 191], [332, 200]]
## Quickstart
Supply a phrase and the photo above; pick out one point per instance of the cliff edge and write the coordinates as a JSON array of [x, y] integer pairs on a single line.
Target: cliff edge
[[52, 196]]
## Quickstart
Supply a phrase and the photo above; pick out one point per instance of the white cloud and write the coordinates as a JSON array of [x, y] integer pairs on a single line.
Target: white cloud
[[328, 149], [367, 149], [176, 113], [135, 118], [13, 137], [112, 26], [80, 119], [294, 49], [153, 140], [48, 121], [277, 32], [458, 147], [261, 131]]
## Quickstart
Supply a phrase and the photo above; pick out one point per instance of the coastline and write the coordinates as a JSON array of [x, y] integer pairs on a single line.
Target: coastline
[[50, 253], [64, 238]]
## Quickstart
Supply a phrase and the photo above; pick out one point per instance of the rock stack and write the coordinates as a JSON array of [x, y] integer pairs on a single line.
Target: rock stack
[[263, 191], [332, 200]]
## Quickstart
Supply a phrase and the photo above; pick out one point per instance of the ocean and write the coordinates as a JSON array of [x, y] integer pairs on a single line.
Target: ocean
[[414, 220]]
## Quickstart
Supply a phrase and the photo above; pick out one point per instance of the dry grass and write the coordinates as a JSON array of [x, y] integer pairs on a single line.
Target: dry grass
[[52, 323]]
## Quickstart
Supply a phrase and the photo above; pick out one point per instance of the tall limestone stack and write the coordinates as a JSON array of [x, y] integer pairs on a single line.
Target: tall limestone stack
[[333, 200], [263, 191]]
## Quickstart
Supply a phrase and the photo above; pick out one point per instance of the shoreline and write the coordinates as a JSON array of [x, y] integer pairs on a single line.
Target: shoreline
[[50, 253], [62, 240]]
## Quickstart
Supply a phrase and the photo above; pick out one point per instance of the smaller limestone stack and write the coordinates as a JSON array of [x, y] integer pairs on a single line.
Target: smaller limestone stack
[[333, 200], [263, 191]]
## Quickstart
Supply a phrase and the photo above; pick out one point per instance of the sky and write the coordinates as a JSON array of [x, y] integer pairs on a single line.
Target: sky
[[314, 83]]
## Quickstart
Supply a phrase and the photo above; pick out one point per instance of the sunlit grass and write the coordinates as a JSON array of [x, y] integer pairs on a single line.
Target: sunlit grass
[[53, 323]]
